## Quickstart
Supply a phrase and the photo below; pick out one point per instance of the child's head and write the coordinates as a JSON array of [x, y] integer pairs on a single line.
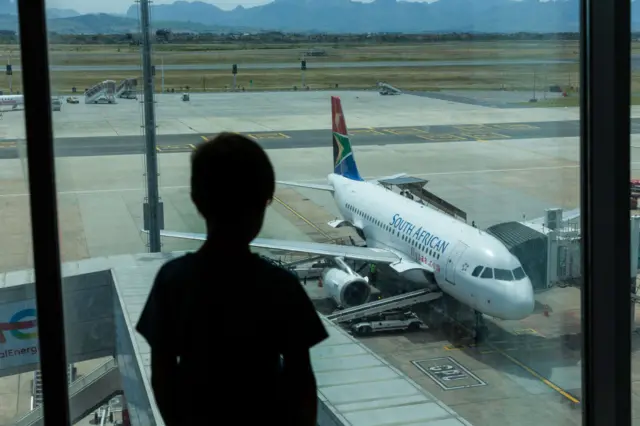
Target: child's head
[[232, 183]]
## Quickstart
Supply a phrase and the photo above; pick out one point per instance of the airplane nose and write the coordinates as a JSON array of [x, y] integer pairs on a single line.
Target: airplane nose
[[520, 299]]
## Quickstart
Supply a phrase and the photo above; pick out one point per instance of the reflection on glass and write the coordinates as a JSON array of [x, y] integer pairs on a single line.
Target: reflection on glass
[[20, 379], [472, 139], [635, 224]]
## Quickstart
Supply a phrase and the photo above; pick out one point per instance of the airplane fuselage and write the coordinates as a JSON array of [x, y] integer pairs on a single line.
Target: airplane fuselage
[[11, 100], [470, 265]]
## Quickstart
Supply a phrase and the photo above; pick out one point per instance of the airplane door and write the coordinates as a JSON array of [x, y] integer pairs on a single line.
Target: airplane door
[[452, 263]]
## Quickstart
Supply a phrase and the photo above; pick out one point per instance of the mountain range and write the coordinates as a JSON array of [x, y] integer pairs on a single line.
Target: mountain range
[[333, 16], [384, 15]]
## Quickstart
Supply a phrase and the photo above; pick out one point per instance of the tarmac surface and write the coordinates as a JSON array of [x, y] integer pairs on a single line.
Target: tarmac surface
[[312, 64], [123, 145], [528, 374]]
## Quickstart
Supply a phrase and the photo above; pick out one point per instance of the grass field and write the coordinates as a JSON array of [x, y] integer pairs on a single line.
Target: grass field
[[192, 54], [496, 77], [437, 78]]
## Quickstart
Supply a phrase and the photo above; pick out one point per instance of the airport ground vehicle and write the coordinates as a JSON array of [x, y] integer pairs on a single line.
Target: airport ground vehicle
[[56, 105], [72, 100], [387, 321]]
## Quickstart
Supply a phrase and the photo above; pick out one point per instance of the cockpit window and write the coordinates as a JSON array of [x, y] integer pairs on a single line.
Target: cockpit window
[[487, 273], [503, 275], [476, 271], [519, 273]]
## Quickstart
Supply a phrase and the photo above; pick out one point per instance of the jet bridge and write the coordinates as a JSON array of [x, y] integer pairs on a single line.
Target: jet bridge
[[383, 305], [529, 246], [412, 187]]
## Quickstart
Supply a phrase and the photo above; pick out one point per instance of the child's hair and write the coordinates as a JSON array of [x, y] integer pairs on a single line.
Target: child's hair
[[231, 171]]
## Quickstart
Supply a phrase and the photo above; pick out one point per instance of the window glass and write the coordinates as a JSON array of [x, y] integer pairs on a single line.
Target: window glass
[[20, 377], [476, 271], [503, 274], [518, 273], [479, 109], [487, 273]]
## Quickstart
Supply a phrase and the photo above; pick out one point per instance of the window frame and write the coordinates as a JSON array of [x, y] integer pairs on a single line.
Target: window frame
[[605, 53], [34, 52]]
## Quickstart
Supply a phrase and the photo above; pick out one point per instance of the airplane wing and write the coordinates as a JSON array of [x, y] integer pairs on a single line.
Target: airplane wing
[[334, 250], [307, 185], [322, 249]]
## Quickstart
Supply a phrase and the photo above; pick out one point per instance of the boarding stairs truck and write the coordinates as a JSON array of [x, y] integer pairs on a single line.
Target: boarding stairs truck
[[127, 89], [378, 306], [387, 89], [101, 93]]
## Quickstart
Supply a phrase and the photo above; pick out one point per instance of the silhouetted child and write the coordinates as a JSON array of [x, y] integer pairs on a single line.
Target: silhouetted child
[[229, 332]]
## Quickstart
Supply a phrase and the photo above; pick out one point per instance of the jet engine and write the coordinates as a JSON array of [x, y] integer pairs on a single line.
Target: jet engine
[[346, 288]]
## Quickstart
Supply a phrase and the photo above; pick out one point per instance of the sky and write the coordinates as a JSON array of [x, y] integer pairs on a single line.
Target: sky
[[121, 6]]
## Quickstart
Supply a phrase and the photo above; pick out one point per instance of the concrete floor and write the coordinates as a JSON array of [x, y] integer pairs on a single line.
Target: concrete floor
[[493, 181]]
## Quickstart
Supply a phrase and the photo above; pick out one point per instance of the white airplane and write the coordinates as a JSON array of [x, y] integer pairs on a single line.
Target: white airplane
[[12, 100], [420, 243]]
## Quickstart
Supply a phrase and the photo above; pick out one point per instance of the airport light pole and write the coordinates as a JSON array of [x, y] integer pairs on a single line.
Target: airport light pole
[[153, 212]]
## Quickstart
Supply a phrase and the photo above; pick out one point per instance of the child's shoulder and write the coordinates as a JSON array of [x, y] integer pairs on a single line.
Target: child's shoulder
[[274, 269]]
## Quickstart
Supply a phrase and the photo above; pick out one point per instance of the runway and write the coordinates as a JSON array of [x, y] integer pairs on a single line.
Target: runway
[[314, 64], [123, 145]]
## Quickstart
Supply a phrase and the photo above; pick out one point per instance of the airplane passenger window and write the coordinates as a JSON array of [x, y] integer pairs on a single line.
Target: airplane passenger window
[[476, 271], [518, 273], [503, 275]]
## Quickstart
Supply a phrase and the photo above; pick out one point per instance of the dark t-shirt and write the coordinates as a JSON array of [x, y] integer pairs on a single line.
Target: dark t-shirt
[[228, 318]]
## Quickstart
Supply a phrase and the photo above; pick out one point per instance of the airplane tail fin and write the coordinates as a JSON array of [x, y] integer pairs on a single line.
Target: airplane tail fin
[[343, 161]]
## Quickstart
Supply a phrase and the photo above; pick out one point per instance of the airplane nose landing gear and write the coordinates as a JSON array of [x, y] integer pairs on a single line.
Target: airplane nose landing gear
[[481, 330]]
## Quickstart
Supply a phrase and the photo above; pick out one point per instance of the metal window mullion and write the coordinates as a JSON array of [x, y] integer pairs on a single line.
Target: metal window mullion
[[605, 172], [44, 218]]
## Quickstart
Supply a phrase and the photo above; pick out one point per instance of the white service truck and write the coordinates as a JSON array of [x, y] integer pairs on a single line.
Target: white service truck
[[387, 321]]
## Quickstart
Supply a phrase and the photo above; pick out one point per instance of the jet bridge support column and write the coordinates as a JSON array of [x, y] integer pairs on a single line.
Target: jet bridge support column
[[552, 259], [635, 241]]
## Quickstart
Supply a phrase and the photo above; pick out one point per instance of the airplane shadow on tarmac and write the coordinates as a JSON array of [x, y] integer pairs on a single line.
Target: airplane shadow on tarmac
[[511, 347], [551, 356]]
